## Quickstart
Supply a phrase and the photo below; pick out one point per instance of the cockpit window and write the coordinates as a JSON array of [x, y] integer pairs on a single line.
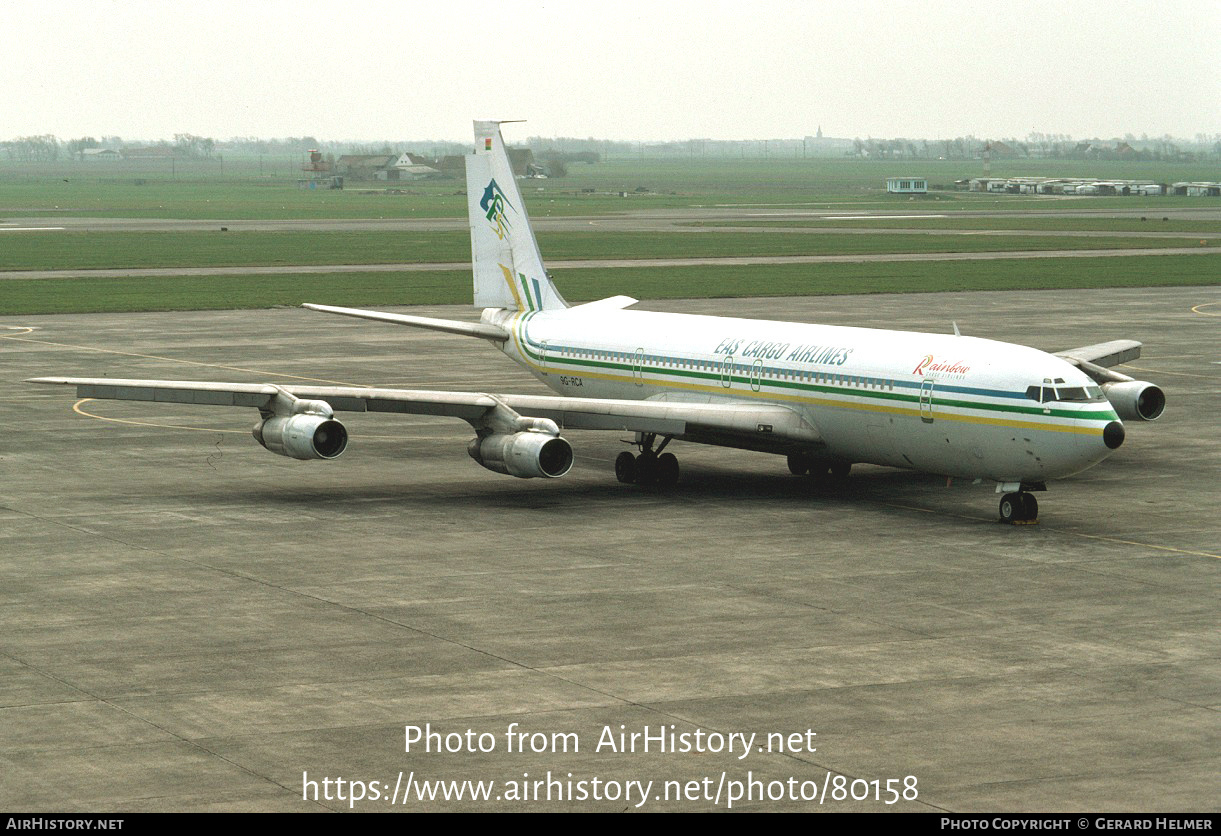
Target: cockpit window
[[1078, 394], [1042, 394], [1081, 393]]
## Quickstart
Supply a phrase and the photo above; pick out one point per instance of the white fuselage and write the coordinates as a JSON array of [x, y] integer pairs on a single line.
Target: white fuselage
[[947, 404]]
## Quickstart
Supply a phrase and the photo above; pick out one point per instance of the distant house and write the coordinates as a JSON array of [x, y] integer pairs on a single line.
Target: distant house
[[453, 165], [152, 152], [1197, 189], [363, 166], [825, 146], [907, 185], [406, 167], [100, 155], [520, 160], [1001, 149], [996, 185]]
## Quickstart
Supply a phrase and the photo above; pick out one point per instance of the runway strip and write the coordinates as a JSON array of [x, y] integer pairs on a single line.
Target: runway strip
[[426, 267]]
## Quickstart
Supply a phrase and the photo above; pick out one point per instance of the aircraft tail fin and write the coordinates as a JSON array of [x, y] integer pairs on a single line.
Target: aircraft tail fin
[[508, 268]]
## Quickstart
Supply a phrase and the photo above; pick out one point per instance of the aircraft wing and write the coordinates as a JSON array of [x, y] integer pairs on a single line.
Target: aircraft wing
[[742, 424], [1104, 354], [1096, 360]]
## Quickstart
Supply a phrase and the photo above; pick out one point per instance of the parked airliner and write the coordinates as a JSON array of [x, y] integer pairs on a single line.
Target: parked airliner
[[825, 397]]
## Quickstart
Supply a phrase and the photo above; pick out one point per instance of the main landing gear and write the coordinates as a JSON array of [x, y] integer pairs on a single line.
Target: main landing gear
[[1019, 508], [651, 467]]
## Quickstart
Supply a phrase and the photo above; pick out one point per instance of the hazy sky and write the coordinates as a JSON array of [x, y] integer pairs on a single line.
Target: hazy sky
[[619, 69]]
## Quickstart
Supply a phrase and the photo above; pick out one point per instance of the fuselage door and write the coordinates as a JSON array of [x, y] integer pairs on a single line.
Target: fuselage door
[[638, 367], [926, 400], [727, 371], [542, 356], [756, 375]]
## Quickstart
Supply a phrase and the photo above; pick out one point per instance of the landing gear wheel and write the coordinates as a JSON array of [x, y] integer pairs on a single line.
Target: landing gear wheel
[[1030, 507], [651, 467], [820, 472], [625, 468], [840, 469], [646, 468], [667, 470], [799, 465], [1013, 507]]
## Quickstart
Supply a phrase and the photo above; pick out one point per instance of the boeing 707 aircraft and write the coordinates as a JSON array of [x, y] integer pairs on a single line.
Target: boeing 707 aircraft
[[825, 397]]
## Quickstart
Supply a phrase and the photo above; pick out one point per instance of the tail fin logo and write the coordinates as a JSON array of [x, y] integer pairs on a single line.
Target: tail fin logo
[[494, 203]]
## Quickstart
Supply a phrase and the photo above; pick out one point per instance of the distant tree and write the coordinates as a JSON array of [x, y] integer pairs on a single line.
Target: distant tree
[[190, 145], [44, 148], [76, 147]]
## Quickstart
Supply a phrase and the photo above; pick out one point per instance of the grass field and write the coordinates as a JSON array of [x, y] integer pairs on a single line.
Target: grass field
[[115, 250], [242, 190], [583, 285]]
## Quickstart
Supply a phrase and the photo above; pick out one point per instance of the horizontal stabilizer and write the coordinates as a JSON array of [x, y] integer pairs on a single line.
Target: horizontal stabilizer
[[451, 326], [612, 303]]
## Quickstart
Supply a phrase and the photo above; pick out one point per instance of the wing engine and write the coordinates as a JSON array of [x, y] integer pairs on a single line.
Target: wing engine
[[519, 446], [524, 455], [300, 429], [1133, 400]]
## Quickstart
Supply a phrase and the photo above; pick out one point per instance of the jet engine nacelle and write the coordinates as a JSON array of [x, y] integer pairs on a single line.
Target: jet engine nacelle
[[1135, 400], [523, 454], [309, 433]]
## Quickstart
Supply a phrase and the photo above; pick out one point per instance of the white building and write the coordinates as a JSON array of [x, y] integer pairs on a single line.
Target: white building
[[96, 154], [907, 185], [404, 168]]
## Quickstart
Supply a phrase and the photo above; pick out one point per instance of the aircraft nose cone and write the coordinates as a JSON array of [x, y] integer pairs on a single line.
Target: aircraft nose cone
[[1113, 435]]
